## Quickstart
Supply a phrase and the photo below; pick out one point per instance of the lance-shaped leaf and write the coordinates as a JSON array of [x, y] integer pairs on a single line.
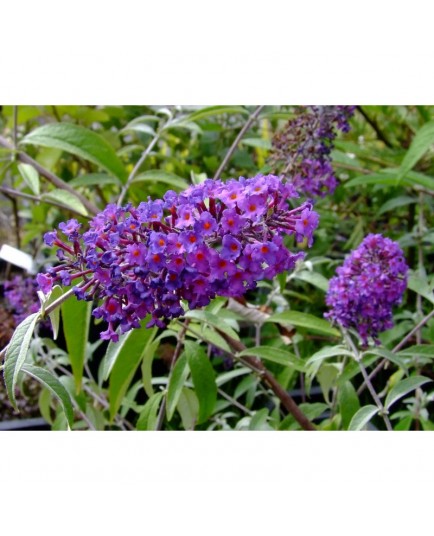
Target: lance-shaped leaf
[[348, 403], [76, 321], [176, 383], [362, 417], [403, 387], [203, 377], [304, 320], [328, 351], [67, 199], [276, 355], [79, 141], [50, 381], [17, 352], [157, 175], [149, 416], [30, 176], [213, 320], [211, 111], [126, 363], [188, 408], [54, 316], [423, 140]]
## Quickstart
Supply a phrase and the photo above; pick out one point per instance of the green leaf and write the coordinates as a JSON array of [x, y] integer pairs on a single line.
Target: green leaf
[[212, 111], [245, 385], [67, 199], [117, 349], [393, 358], [312, 411], [426, 350], [362, 417], [188, 408], [276, 355], [126, 363], [314, 278], [157, 175], [328, 351], [403, 387], [388, 177], [112, 354], [30, 176], [372, 178], [54, 316], [140, 127], [183, 123], [44, 403], [427, 426], [55, 386], [258, 143], [203, 378], [94, 179], [17, 352], [215, 338], [213, 320], [423, 140], [304, 320], [327, 376], [416, 178], [80, 142], [149, 416], [147, 360], [259, 421], [76, 321], [231, 374], [404, 424], [176, 383], [420, 285], [396, 202], [352, 369], [143, 119], [348, 403]]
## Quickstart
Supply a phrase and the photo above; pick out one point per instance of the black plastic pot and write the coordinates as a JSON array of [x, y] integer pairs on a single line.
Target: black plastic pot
[[24, 424]]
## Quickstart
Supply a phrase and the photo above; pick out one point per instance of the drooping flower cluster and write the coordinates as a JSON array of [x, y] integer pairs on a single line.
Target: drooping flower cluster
[[21, 296], [216, 238], [303, 148], [371, 281]]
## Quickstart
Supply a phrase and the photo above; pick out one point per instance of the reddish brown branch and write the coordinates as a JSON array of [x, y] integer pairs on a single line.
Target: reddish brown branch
[[268, 379]]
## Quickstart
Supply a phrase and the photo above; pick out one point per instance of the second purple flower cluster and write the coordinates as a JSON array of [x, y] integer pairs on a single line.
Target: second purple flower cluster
[[21, 296], [372, 279], [303, 148]]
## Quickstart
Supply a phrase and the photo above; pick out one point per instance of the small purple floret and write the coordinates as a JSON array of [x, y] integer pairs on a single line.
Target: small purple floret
[[45, 282]]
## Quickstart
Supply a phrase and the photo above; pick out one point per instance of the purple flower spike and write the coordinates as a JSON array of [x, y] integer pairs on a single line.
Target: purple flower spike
[[371, 281], [214, 238], [303, 148]]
